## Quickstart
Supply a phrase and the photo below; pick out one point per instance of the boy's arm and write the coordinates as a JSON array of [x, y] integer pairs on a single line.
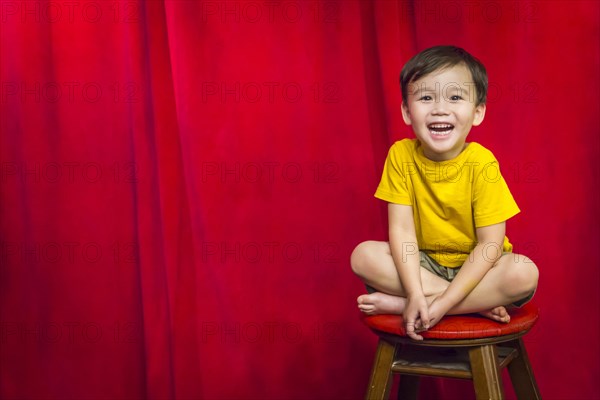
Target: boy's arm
[[405, 252], [485, 254]]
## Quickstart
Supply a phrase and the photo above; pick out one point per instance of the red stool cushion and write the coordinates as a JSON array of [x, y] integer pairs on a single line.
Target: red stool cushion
[[468, 326]]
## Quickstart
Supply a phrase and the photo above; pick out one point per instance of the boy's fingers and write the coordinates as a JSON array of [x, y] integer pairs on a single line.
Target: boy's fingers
[[425, 320], [411, 330]]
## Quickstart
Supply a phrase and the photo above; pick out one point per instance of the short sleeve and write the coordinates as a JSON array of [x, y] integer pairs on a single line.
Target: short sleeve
[[492, 201], [393, 186]]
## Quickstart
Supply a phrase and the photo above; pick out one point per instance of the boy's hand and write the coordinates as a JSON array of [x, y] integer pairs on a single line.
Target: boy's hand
[[437, 309], [416, 309]]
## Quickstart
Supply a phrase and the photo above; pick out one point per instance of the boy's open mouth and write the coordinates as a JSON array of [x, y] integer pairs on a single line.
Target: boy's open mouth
[[440, 128]]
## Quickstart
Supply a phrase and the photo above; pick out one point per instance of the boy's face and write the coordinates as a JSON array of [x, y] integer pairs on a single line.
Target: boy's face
[[441, 109]]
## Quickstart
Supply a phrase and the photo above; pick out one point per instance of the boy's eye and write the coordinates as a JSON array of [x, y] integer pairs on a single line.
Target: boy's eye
[[455, 98], [425, 98]]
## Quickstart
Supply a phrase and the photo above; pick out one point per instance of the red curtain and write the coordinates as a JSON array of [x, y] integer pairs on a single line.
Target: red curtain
[[182, 183]]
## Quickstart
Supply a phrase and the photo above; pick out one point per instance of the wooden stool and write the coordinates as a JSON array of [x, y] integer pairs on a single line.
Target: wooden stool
[[462, 346]]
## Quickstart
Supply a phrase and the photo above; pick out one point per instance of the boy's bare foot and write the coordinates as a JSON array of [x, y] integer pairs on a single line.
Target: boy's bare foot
[[381, 303], [497, 314]]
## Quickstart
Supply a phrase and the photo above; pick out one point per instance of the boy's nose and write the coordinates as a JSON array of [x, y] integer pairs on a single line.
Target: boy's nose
[[440, 108]]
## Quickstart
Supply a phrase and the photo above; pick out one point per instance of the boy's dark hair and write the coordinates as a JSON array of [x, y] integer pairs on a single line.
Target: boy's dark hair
[[441, 57]]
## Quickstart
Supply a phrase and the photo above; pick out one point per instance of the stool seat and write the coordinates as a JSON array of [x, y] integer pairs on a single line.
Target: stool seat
[[468, 326], [459, 346]]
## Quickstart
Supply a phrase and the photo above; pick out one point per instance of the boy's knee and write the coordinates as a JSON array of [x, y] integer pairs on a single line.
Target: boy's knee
[[523, 275], [360, 257], [530, 272]]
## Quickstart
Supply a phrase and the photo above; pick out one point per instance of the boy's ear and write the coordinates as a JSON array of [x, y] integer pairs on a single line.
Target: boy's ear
[[406, 114], [479, 114]]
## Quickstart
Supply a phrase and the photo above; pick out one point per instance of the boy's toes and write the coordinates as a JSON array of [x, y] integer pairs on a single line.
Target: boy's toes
[[366, 308], [499, 318], [362, 299], [498, 314], [501, 314]]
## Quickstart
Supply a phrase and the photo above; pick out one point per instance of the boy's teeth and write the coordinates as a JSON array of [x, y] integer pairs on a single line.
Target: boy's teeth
[[440, 129]]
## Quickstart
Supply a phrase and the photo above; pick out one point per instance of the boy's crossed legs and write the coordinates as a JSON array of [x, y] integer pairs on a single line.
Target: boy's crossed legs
[[512, 278]]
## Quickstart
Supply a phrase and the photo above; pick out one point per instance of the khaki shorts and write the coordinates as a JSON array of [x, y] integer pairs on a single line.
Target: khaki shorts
[[449, 274]]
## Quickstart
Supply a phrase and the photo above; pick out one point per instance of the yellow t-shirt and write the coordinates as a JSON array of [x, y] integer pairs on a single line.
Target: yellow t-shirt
[[449, 198]]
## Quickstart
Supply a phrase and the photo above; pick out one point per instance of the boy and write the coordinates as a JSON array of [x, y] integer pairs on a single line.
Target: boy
[[447, 206]]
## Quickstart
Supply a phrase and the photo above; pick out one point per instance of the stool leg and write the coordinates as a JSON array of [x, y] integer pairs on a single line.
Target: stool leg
[[409, 387], [521, 374], [486, 376], [381, 375]]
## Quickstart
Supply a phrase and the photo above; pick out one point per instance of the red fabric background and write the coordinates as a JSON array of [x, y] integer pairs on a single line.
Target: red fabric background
[[182, 184]]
